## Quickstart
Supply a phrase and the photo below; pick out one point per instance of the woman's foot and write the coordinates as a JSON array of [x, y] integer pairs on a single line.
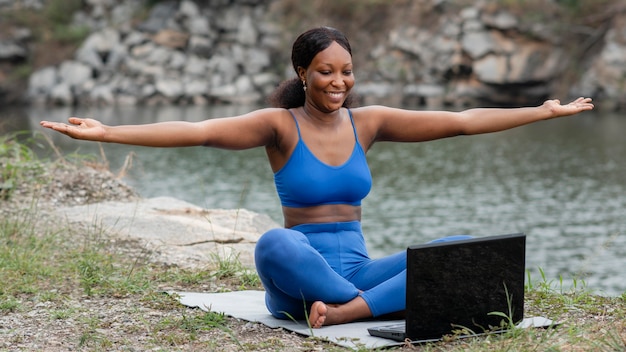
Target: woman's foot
[[330, 314], [317, 317]]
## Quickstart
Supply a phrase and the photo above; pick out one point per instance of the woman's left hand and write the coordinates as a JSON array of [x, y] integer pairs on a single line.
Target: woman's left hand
[[576, 106]]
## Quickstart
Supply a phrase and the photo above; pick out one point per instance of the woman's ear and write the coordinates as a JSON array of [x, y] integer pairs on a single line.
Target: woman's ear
[[302, 73]]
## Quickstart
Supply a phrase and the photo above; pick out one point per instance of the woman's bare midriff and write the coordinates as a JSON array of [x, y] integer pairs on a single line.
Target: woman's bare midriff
[[321, 214]]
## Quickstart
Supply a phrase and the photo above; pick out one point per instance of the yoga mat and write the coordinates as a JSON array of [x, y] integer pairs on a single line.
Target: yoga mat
[[250, 306]]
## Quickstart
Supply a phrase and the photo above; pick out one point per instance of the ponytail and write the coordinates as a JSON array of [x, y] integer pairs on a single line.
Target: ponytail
[[288, 95]]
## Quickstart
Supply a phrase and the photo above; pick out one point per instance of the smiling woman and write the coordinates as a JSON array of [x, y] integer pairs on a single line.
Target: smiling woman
[[316, 146]]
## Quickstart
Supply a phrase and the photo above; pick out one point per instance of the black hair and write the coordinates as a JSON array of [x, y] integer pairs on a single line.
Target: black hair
[[290, 93]]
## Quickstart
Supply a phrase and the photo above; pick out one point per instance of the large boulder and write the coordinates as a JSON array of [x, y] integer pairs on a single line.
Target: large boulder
[[176, 232]]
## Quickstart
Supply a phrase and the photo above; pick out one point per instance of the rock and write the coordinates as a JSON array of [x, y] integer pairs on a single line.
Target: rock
[[171, 88], [247, 33], [605, 79], [159, 55], [122, 13], [196, 66], [102, 95], [233, 47], [42, 81], [159, 16], [256, 60], [74, 73], [12, 51], [525, 64], [97, 48], [171, 38], [200, 46], [199, 25], [177, 60], [61, 94], [491, 69], [536, 63], [478, 44], [178, 232], [195, 87], [500, 20], [188, 8]]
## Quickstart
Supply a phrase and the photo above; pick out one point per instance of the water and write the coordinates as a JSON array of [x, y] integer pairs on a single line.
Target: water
[[562, 182]]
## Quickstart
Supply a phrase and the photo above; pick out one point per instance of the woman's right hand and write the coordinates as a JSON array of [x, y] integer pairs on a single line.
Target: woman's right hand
[[87, 129]]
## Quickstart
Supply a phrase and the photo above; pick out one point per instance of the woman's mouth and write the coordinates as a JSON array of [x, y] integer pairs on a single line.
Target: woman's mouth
[[336, 95]]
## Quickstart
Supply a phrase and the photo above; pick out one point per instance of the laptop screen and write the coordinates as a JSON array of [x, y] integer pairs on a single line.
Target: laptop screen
[[459, 285]]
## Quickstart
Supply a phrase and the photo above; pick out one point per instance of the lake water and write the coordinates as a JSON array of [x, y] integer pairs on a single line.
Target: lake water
[[562, 182]]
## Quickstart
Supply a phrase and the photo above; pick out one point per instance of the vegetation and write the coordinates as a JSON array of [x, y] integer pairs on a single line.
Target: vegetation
[[55, 37], [19, 164], [53, 23]]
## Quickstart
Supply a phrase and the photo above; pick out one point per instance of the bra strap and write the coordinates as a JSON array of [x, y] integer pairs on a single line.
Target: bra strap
[[356, 137], [296, 121]]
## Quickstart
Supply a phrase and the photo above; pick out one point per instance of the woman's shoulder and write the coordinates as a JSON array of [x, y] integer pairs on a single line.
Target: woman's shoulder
[[279, 118], [268, 115], [371, 114], [270, 112], [364, 111]]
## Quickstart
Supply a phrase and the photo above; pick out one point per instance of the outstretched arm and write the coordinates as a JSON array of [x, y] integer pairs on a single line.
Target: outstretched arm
[[246, 131], [414, 126], [478, 121]]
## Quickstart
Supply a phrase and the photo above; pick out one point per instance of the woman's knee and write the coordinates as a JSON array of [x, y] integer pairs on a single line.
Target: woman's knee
[[269, 238], [268, 242], [277, 243]]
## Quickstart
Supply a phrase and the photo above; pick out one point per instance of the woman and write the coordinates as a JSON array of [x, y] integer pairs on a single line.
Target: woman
[[316, 147]]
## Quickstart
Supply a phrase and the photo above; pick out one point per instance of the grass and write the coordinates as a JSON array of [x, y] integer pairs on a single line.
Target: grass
[[52, 23], [96, 293], [55, 37], [46, 265], [19, 163]]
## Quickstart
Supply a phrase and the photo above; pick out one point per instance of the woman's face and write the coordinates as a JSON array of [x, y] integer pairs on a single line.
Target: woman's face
[[329, 78]]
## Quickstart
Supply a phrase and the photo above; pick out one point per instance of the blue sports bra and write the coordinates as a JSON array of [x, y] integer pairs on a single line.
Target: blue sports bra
[[306, 181]]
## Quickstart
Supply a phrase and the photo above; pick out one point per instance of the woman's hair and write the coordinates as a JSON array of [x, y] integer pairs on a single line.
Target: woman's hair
[[290, 93]]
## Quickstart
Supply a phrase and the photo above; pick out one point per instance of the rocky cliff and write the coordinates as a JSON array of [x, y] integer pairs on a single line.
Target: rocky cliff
[[423, 53]]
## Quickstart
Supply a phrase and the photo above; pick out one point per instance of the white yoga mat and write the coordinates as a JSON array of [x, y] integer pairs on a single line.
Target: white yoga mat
[[250, 306]]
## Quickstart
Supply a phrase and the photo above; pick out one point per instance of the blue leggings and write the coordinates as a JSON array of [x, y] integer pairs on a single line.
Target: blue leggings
[[328, 262]]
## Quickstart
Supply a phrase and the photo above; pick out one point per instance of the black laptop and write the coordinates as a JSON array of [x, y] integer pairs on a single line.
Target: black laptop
[[463, 288]]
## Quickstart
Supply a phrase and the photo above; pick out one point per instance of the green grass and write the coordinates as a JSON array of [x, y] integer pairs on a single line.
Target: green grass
[[50, 265], [52, 23], [18, 163]]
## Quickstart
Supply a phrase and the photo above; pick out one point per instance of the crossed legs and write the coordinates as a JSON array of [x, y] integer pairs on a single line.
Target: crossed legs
[[326, 275], [302, 279]]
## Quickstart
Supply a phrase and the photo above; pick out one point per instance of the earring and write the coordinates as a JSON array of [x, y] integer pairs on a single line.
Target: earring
[[304, 85]]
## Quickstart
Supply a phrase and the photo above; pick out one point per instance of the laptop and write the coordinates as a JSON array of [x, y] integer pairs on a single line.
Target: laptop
[[463, 288]]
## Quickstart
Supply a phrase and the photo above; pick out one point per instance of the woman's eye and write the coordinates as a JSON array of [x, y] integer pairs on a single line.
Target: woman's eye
[[347, 73]]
